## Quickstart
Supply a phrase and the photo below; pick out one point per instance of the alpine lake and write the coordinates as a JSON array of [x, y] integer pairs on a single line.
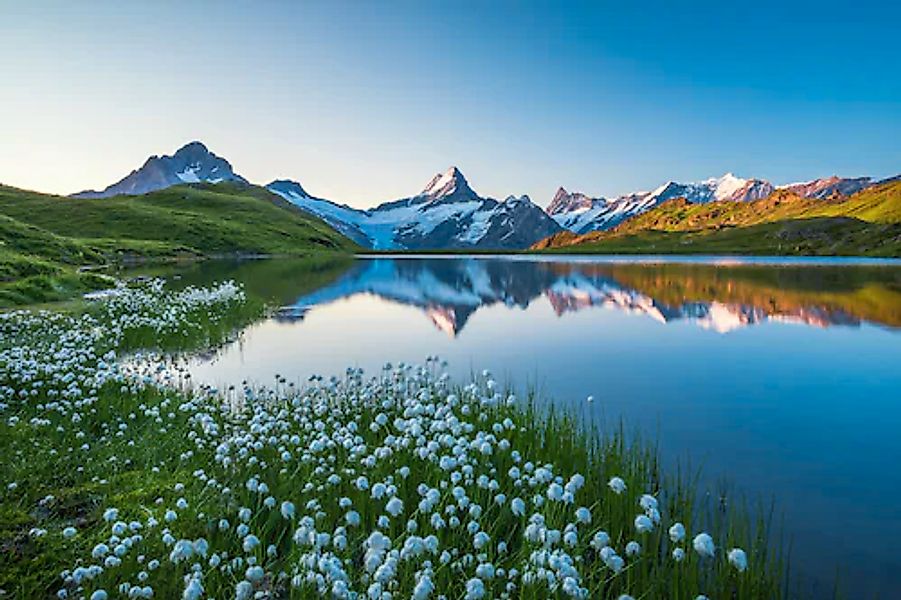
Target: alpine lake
[[776, 380]]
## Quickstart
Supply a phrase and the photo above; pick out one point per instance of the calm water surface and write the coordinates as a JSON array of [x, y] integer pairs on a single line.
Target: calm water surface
[[781, 376]]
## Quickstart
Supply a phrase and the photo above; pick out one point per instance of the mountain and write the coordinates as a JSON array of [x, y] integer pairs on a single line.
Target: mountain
[[446, 214], [569, 202], [575, 211], [449, 214], [192, 163], [581, 213], [866, 223], [828, 187]]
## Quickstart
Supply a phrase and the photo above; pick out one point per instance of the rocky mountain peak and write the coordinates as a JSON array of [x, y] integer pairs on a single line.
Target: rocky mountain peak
[[192, 163], [450, 183], [566, 202]]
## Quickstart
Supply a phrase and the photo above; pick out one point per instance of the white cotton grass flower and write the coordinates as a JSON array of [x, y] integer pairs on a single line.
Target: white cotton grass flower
[[677, 532], [583, 515], [395, 506], [243, 590], [648, 503], [480, 540], [703, 545], [617, 485], [518, 507], [600, 540], [555, 492], [250, 543], [678, 554], [475, 589], [738, 559], [643, 524]]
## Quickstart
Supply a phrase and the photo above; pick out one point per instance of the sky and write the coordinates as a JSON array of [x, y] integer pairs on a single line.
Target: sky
[[364, 102]]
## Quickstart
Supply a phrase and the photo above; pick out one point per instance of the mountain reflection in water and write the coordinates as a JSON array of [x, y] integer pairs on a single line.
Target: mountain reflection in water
[[715, 297]]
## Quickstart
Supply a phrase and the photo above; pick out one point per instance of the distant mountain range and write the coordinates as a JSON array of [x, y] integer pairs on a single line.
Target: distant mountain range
[[868, 222], [449, 214], [580, 213]]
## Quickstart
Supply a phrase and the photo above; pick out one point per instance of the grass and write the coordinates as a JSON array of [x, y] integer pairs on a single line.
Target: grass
[[78, 445], [45, 239], [224, 218], [868, 224]]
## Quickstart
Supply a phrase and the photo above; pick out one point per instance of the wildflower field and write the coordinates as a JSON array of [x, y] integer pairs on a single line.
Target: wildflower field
[[121, 478]]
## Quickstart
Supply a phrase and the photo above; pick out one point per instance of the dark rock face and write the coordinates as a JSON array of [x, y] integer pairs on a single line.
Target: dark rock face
[[192, 163], [518, 223]]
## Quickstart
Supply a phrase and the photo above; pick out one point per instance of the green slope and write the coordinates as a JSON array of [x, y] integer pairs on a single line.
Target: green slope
[[209, 219], [45, 238], [868, 223]]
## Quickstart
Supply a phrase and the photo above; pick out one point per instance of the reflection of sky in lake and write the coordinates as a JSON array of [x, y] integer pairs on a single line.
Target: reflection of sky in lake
[[793, 400]]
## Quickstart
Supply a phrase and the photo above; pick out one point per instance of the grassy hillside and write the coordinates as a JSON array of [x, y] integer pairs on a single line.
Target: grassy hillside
[[868, 223], [44, 239], [208, 219]]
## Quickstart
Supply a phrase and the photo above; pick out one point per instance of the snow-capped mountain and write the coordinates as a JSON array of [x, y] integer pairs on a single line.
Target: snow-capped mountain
[[447, 213], [575, 211], [580, 213], [828, 186], [571, 202], [192, 163]]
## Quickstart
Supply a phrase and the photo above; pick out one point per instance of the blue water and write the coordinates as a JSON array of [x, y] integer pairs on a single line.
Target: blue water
[[782, 376]]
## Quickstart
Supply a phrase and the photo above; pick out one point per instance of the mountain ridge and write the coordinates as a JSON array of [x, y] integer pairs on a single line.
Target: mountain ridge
[[865, 223], [447, 213]]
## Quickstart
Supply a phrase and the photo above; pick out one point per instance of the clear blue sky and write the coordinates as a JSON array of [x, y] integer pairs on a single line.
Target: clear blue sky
[[364, 102]]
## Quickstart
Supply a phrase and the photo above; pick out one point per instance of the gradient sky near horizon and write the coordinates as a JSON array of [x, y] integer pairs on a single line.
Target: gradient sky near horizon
[[364, 102]]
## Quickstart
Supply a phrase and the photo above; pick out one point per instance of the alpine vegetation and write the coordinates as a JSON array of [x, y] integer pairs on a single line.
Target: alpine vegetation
[[123, 479]]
